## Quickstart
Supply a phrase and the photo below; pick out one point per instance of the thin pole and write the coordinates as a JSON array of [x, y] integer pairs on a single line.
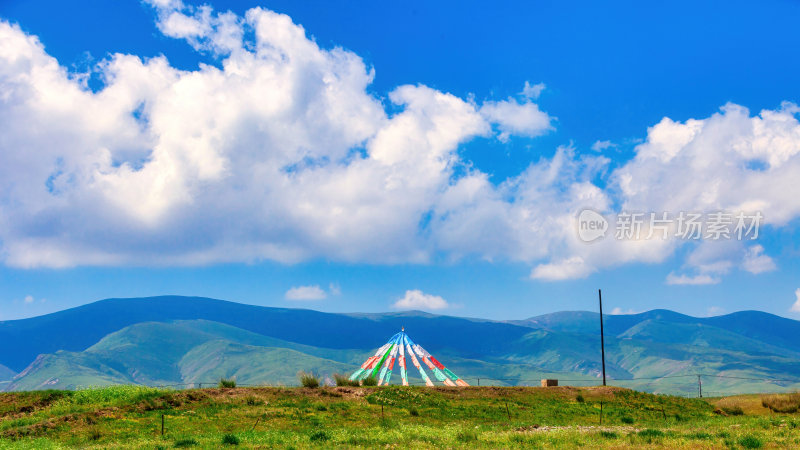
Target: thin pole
[[602, 340], [700, 386]]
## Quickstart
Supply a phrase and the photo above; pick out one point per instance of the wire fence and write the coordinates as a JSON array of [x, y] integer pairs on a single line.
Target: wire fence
[[668, 384]]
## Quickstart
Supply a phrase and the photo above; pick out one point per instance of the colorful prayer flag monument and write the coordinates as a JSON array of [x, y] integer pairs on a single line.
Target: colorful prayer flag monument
[[380, 365]]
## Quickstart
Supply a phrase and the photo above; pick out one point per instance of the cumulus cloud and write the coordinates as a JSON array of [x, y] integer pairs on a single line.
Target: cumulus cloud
[[416, 299], [511, 117], [796, 306], [28, 299], [755, 261], [306, 293], [280, 152], [567, 269], [696, 280]]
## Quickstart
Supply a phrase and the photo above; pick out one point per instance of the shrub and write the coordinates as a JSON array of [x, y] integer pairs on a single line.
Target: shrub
[[750, 442], [782, 403], [188, 442], [227, 383], [413, 411], [344, 380], [230, 439], [369, 381], [608, 434], [626, 419], [308, 380], [94, 435], [322, 408], [579, 398]]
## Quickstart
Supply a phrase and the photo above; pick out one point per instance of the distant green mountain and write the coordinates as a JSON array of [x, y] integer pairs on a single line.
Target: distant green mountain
[[171, 340], [154, 353]]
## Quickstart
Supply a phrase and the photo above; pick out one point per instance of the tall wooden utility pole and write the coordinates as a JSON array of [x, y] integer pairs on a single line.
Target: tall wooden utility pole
[[602, 340]]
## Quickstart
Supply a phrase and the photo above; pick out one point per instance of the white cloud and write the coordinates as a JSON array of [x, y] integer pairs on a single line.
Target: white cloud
[[567, 269], [283, 137], [755, 261], [306, 293], [796, 306], [619, 311], [335, 289], [691, 280], [599, 146], [280, 152], [715, 311], [416, 299], [533, 91], [28, 299], [511, 117]]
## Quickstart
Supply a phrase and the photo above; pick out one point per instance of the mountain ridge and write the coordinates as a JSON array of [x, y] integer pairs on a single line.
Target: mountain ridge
[[168, 339]]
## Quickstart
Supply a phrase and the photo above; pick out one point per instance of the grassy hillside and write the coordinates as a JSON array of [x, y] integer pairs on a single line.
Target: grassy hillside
[[154, 353], [131, 417]]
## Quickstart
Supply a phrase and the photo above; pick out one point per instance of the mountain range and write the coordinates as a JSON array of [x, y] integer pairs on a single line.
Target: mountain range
[[183, 341]]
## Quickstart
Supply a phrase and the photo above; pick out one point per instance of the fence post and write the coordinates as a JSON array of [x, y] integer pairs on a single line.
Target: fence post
[[601, 412], [162, 424]]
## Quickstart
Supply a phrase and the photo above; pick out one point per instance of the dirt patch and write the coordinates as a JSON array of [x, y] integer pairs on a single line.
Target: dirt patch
[[580, 428]]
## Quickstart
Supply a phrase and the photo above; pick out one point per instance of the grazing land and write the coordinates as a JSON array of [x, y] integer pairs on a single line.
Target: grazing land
[[416, 417]]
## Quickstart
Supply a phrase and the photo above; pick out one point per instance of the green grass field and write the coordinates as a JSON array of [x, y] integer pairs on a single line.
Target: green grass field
[[416, 417]]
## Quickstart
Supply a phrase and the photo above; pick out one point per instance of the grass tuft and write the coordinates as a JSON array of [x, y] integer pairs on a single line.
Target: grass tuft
[[369, 381], [308, 380], [750, 442], [227, 382], [186, 442], [230, 439], [253, 401], [344, 380], [735, 410], [782, 403], [319, 435], [94, 435], [466, 436], [650, 433]]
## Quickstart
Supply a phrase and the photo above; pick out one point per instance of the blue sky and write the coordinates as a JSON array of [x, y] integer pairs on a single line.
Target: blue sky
[[610, 73]]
